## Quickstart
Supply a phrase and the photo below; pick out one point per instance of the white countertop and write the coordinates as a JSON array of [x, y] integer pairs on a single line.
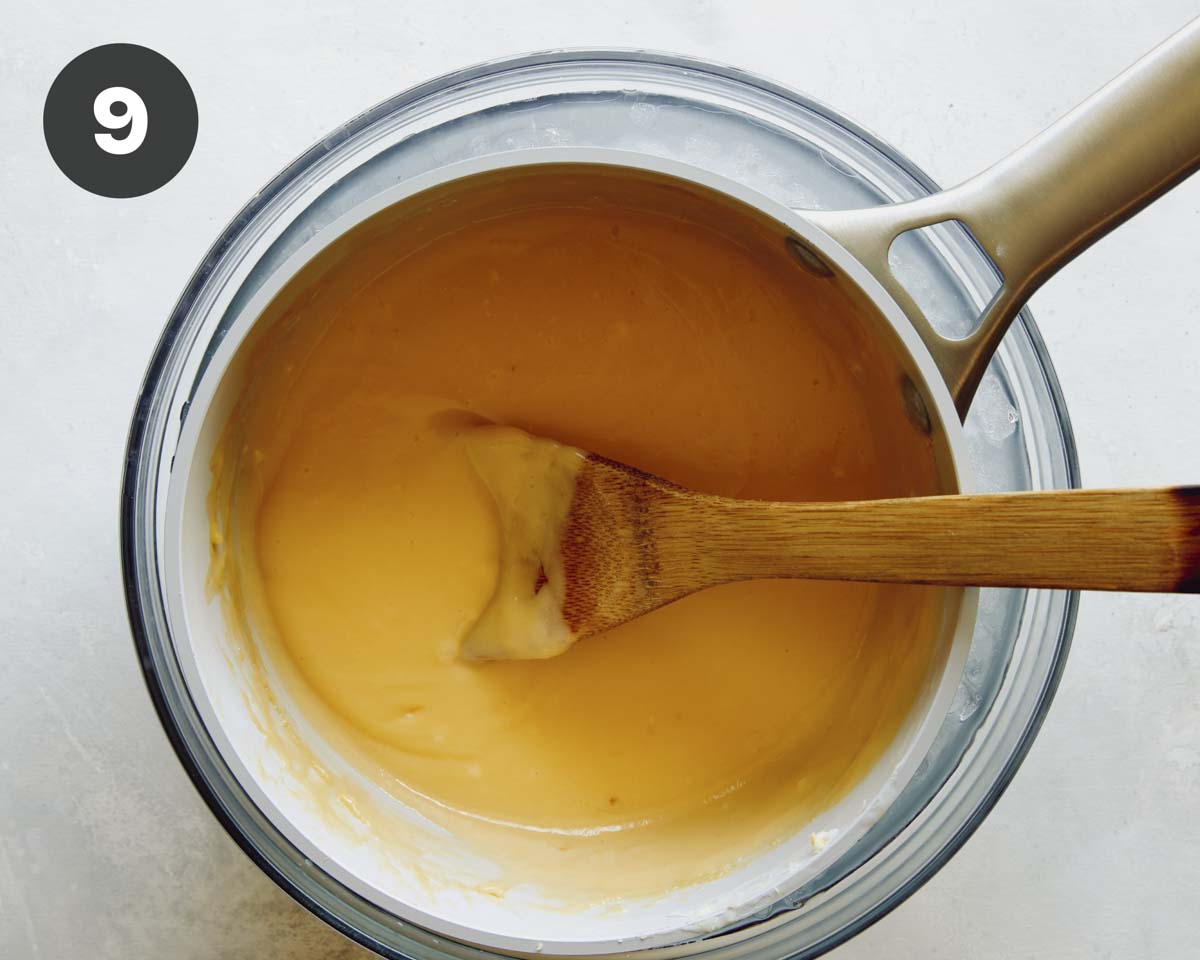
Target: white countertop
[[106, 850]]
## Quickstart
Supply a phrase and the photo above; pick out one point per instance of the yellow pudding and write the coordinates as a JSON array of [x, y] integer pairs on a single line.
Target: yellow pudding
[[532, 484], [643, 322]]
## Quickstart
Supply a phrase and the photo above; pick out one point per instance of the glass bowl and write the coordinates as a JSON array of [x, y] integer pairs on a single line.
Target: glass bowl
[[799, 153]]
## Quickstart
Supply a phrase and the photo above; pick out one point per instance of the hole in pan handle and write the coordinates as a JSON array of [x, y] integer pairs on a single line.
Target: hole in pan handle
[[1035, 210]]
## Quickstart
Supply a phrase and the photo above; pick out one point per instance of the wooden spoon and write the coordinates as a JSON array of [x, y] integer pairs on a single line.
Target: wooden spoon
[[620, 542]]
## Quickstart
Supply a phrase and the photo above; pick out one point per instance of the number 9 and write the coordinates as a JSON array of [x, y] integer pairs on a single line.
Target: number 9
[[135, 117]]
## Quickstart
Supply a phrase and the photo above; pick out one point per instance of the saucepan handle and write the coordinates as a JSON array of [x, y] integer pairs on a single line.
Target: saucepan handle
[[1038, 208]]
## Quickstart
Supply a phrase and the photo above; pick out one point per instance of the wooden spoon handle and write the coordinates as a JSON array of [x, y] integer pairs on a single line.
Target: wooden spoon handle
[[1145, 540]]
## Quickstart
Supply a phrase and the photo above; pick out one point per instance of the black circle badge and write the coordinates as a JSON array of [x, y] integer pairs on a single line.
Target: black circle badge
[[120, 120]]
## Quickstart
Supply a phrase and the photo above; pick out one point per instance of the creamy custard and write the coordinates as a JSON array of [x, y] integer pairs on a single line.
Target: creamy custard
[[638, 321], [532, 484]]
